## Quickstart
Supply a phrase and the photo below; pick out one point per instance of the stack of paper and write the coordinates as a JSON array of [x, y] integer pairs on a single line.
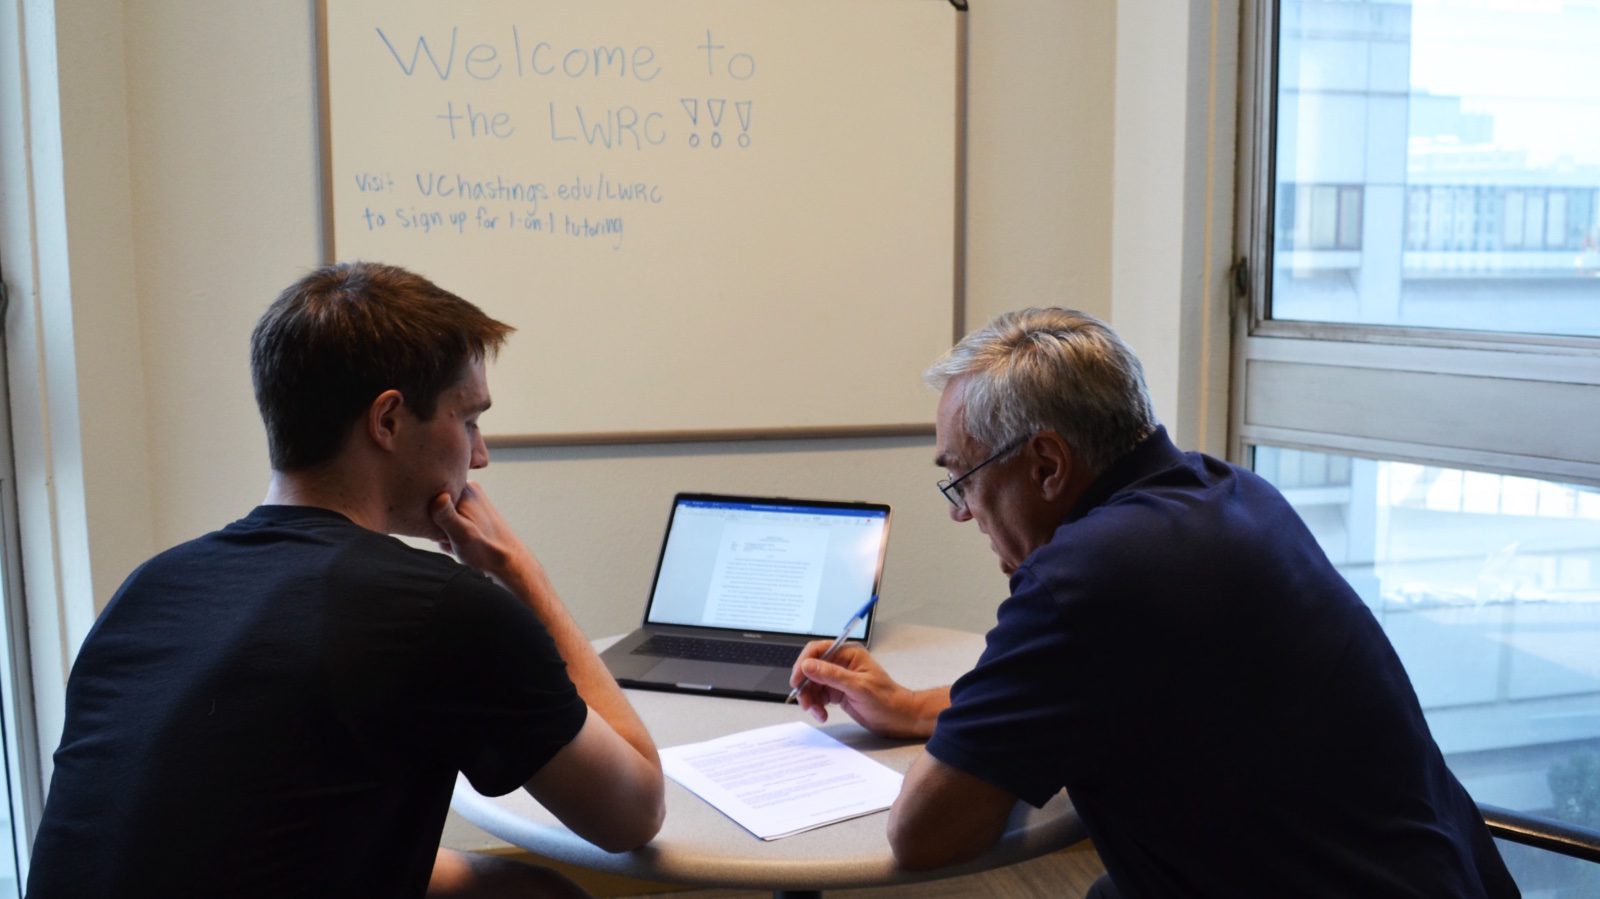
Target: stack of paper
[[782, 780]]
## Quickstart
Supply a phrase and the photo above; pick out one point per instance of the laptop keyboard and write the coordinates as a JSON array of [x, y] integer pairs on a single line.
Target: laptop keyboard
[[775, 655]]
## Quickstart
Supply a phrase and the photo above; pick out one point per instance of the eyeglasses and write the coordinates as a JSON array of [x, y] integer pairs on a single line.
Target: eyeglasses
[[955, 491]]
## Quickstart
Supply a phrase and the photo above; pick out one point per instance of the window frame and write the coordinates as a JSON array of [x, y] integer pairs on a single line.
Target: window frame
[[19, 729], [25, 759], [1545, 372]]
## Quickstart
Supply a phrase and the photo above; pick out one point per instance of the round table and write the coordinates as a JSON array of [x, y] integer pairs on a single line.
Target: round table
[[699, 845]]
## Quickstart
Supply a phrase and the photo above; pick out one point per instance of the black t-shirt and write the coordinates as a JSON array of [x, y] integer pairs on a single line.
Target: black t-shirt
[[1225, 713], [280, 708]]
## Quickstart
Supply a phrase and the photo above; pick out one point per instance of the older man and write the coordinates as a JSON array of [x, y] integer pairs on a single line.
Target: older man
[[1176, 652]]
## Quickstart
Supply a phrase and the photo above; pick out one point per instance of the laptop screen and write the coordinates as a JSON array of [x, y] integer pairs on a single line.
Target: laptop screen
[[785, 566]]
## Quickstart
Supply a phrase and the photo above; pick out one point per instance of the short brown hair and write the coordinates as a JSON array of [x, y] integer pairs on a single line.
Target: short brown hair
[[335, 339]]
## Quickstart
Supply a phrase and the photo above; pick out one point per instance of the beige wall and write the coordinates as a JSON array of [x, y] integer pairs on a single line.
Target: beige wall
[[1172, 213]]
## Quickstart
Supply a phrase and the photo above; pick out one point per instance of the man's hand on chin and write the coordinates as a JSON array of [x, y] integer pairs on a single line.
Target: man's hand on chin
[[477, 534]]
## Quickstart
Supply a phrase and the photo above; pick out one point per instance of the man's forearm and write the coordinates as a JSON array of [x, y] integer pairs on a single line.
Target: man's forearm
[[944, 815], [927, 705], [528, 581], [481, 538]]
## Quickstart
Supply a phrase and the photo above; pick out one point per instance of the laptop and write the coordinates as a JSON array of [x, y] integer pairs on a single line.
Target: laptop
[[742, 584]]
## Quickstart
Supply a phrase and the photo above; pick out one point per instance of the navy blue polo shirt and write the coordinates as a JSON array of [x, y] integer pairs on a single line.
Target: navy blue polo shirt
[[1226, 714]]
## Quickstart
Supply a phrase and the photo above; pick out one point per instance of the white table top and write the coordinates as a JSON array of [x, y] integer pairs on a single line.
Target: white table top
[[698, 844]]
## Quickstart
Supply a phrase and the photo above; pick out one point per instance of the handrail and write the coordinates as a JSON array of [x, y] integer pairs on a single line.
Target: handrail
[[1542, 833]]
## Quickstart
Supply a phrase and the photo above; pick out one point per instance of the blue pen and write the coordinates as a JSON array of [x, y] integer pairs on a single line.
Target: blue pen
[[849, 626]]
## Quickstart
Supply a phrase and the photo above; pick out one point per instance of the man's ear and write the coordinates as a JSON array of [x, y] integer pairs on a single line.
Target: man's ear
[[1052, 464], [383, 418]]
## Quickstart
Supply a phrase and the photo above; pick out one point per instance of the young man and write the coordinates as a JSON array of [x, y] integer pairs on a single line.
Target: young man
[[279, 708], [1177, 653]]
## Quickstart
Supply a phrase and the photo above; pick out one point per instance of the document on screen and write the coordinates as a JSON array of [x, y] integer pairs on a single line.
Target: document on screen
[[782, 780], [767, 576]]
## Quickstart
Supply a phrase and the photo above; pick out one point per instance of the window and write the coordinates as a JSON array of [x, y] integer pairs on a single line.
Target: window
[[1471, 132], [1419, 363], [1486, 585]]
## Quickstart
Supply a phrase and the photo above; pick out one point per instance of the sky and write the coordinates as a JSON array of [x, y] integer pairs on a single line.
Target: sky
[[1532, 64]]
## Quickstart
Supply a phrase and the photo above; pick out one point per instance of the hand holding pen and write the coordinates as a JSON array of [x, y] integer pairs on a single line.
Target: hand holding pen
[[844, 635]]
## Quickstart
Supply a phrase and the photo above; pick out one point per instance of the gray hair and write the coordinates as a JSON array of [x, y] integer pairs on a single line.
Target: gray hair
[[1050, 369]]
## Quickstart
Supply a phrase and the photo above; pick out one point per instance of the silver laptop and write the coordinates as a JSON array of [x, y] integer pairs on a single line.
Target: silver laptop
[[743, 583]]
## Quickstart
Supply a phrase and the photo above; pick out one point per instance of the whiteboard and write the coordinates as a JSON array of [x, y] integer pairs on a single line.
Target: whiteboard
[[703, 216]]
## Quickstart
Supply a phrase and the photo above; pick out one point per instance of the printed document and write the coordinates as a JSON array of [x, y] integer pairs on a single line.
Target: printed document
[[782, 780]]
